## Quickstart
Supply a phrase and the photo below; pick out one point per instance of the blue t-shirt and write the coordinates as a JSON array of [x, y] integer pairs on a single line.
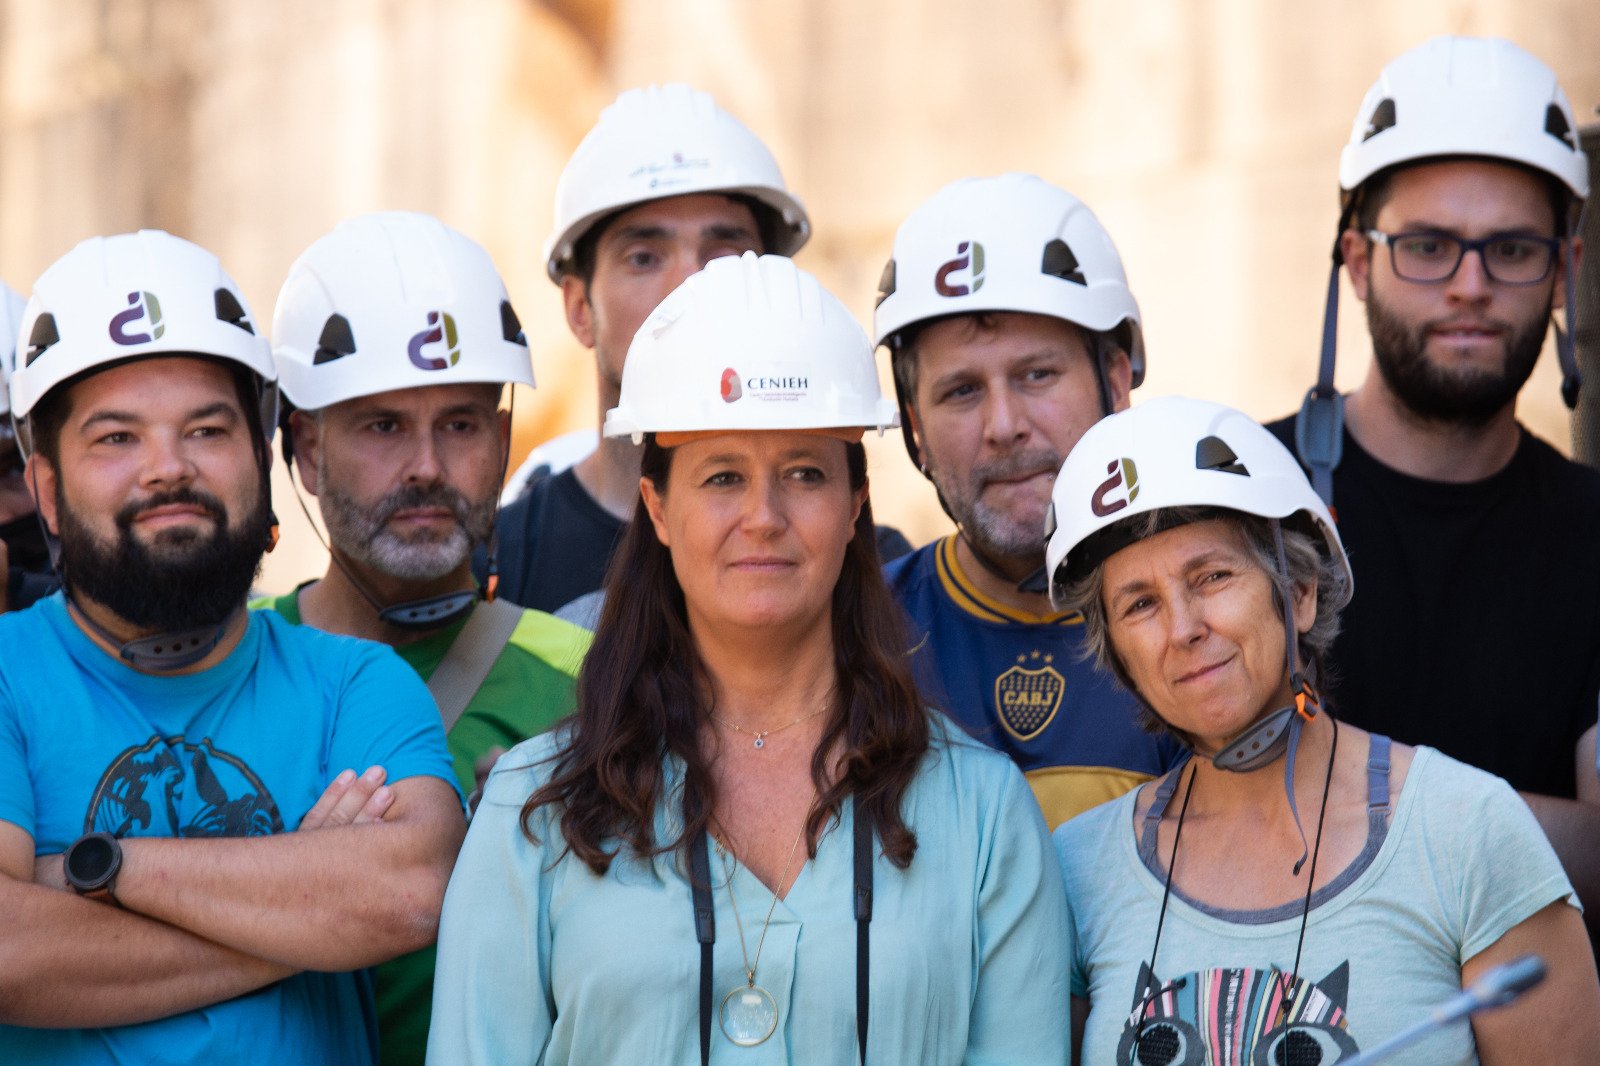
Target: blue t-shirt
[[244, 748], [1019, 683]]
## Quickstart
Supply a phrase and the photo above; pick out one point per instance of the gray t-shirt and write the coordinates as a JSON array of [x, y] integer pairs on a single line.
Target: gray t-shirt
[[1463, 862]]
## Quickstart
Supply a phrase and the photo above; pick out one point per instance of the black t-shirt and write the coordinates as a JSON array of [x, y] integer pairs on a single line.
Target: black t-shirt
[[1475, 626], [555, 542]]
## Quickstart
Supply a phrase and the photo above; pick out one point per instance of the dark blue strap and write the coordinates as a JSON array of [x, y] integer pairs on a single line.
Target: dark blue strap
[[1571, 377], [705, 931], [863, 902], [1158, 807], [1319, 427], [1378, 774]]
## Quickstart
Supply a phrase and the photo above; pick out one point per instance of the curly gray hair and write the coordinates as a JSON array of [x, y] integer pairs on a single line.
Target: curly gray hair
[[1307, 566]]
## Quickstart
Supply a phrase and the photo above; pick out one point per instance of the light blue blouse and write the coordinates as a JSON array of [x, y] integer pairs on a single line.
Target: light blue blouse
[[540, 961]]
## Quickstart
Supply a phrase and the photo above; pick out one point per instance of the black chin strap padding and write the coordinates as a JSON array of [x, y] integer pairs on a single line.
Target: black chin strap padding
[[1258, 745], [705, 931], [164, 651], [432, 612], [172, 651]]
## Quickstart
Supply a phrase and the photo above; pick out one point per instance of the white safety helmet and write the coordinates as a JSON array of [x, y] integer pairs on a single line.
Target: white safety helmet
[[1448, 97], [11, 308], [1013, 242], [750, 342], [1173, 452], [134, 296], [1466, 96], [661, 141], [393, 300]]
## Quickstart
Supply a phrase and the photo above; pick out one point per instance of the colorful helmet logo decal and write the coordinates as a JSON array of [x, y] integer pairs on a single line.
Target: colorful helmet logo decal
[[969, 255], [140, 305], [1122, 472], [441, 327], [731, 389]]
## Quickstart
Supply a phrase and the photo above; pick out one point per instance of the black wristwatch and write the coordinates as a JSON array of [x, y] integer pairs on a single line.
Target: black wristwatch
[[91, 864]]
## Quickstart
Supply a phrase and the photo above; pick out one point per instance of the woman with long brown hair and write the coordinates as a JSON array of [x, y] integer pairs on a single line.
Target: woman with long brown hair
[[752, 843]]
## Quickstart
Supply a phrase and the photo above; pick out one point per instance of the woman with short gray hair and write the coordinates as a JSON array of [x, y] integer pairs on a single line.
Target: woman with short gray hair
[[1309, 911]]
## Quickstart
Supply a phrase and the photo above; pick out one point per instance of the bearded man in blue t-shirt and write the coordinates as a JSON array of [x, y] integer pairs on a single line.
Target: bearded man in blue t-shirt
[[207, 817]]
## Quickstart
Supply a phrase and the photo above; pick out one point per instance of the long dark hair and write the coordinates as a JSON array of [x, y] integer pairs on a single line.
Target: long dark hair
[[641, 699]]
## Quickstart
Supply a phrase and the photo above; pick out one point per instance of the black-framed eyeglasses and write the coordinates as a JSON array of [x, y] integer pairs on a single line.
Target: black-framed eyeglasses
[[1509, 258]]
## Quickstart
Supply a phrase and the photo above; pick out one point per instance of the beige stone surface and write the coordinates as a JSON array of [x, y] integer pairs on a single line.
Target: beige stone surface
[[1205, 133]]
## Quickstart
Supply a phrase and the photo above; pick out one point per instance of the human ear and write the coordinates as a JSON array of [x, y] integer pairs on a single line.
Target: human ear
[[653, 505]]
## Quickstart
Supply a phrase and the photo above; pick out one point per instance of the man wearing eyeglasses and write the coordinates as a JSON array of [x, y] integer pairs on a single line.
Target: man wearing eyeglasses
[[1477, 626]]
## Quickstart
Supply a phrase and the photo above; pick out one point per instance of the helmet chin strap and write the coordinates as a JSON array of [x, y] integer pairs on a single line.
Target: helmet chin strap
[[1279, 732], [164, 651], [430, 612]]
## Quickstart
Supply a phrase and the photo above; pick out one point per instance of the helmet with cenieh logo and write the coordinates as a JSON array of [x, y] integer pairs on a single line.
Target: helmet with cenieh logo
[[750, 342]]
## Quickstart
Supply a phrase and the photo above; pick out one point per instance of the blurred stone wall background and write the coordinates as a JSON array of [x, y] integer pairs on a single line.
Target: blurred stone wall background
[[1205, 133]]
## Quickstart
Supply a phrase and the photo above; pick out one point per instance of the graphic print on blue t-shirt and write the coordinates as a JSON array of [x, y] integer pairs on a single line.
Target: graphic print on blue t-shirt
[[169, 787], [1238, 1017]]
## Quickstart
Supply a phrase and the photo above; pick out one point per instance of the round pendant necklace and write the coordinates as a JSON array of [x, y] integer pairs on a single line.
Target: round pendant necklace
[[749, 1014], [761, 735]]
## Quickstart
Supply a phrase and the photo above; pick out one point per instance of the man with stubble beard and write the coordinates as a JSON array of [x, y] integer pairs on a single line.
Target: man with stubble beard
[[211, 822], [1476, 629], [1011, 330]]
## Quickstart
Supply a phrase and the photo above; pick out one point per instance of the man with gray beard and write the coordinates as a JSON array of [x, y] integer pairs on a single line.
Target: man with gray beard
[[394, 340], [1475, 630], [1012, 330]]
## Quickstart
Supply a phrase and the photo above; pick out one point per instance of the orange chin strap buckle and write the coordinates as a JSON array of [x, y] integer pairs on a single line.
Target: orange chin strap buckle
[[1306, 701]]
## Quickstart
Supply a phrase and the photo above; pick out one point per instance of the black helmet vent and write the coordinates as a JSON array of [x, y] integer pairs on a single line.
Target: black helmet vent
[[1059, 262], [1213, 453], [1383, 118], [336, 341], [510, 325], [886, 283], [232, 312], [43, 336], [1555, 124]]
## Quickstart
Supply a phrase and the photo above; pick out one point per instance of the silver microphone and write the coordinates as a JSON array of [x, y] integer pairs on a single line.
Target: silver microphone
[[1496, 988]]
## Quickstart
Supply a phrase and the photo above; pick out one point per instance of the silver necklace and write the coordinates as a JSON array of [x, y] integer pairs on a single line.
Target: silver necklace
[[761, 735], [749, 1014]]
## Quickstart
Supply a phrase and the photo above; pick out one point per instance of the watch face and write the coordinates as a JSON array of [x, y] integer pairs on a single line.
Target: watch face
[[90, 861]]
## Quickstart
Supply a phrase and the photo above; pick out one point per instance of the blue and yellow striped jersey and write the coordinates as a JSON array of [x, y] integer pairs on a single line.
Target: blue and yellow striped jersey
[[1017, 681]]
